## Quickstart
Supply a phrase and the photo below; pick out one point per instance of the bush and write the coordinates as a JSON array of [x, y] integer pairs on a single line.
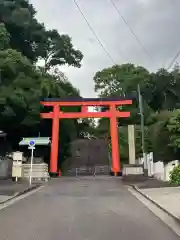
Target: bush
[[175, 175]]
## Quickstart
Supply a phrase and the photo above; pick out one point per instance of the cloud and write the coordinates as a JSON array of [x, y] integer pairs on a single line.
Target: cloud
[[155, 22]]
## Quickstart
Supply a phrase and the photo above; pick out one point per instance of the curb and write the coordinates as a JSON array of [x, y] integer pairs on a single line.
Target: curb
[[157, 204], [20, 193]]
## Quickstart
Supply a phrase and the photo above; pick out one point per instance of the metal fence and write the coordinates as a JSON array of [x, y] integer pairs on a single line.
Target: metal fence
[[90, 171]]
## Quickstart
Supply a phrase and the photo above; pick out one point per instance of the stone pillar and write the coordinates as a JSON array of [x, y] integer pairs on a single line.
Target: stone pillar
[[131, 141]]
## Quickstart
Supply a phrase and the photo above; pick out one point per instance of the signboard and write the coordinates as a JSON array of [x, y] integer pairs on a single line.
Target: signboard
[[17, 170], [17, 156], [32, 141]]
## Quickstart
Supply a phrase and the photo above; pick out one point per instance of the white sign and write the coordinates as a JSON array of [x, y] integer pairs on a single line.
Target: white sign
[[17, 156]]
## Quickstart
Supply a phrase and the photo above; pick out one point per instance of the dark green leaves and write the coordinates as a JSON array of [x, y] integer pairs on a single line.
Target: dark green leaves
[[23, 41]]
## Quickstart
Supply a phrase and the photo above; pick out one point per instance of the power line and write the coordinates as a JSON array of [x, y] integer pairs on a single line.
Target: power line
[[173, 60], [131, 30], [92, 30]]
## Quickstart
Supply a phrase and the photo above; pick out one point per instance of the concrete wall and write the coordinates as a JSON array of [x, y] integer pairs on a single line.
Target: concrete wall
[[159, 170], [5, 167], [162, 171]]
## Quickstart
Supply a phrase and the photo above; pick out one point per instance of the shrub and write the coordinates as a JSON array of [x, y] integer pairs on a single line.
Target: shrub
[[175, 175]]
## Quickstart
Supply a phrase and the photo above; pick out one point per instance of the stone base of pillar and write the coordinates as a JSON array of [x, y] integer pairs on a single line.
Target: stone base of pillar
[[119, 174], [133, 172], [53, 174]]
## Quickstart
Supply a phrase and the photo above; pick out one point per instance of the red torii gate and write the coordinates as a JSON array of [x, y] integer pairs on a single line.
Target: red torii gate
[[112, 114]]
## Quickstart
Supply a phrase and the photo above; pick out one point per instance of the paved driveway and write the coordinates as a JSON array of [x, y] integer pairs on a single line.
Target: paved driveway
[[86, 209]]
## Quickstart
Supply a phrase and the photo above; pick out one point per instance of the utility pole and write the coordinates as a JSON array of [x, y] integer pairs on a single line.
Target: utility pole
[[141, 111]]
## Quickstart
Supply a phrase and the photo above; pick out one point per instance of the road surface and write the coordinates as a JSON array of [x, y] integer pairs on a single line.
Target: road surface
[[86, 209]]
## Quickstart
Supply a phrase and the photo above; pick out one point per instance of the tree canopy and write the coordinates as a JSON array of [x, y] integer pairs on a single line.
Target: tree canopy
[[160, 92], [33, 40], [120, 80], [24, 41]]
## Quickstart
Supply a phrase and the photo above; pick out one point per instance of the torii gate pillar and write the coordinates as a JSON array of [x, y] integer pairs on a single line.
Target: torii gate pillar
[[55, 140], [114, 141]]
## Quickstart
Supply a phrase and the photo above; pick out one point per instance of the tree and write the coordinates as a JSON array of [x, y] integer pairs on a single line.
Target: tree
[[4, 37], [19, 91], [59, 51], [27, 35], [119, 80], [23, 40], [21, 88], [174, 129], [33, 40], [103, 129], [159, 136], [122, 81], [161, 91]]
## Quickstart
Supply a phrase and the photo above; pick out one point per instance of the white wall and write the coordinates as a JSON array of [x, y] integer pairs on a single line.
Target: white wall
[[162, 171], [159, 170], [150, 164]]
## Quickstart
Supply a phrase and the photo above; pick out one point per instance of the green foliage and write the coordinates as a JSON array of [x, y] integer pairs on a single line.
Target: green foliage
[[23, 41], [175, 175], [138, 143], [161, 95], [123, 144], [32, 39], [103, 129], [122, 80], [160, 137], [174, 129], [27, 35], [4, 37], [161, 91], [119, 80], [13, 63], [59, 50]]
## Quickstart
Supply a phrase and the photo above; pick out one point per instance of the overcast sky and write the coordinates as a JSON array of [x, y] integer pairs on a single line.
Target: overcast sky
[[155, 22]]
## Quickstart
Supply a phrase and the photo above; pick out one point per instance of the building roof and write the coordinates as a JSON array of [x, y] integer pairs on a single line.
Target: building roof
[[43, 141], [80, 99]]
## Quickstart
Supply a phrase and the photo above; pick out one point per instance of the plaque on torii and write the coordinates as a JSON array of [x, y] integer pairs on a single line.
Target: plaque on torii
[[113, 113]]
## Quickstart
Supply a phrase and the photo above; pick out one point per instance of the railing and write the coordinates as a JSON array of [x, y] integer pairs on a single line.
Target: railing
[[92, 171]]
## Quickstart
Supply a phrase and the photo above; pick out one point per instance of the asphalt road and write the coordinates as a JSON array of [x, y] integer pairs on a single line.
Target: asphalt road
[[87, 209]]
